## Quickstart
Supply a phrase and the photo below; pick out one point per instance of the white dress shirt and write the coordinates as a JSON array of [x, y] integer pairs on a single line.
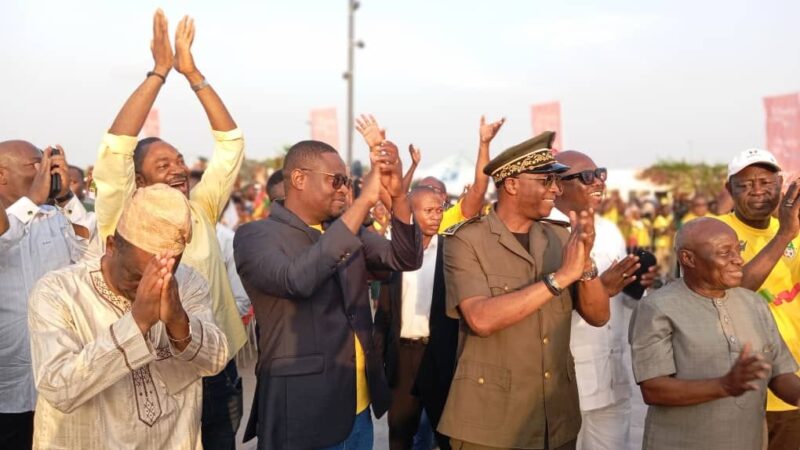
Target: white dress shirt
[[39, 239], [417, 296], [603, 379]]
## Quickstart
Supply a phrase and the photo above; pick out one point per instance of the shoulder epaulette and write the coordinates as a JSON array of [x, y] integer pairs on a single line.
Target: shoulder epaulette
[[449, 231]]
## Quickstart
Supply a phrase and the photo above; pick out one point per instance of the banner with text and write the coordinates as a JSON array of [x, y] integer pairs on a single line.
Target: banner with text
[[547, 117], [783, 131], [325, 127]]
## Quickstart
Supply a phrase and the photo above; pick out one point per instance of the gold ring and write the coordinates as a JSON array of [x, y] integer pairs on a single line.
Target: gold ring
[[624, 275]]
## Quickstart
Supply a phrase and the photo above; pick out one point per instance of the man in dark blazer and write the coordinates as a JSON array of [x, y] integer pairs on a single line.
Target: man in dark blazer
[[306, 269]]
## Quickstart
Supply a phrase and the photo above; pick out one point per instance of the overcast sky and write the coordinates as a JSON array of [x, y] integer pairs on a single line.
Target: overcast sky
[[638, 80]]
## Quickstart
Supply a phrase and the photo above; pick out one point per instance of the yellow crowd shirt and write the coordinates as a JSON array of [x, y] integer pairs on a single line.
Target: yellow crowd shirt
[[362, 390], [452, 216], [780, 289]]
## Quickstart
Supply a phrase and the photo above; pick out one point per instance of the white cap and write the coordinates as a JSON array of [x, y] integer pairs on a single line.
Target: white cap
[[749, 157]]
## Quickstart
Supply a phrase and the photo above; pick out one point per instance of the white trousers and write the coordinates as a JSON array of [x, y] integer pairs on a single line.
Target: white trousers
[[606, 428]]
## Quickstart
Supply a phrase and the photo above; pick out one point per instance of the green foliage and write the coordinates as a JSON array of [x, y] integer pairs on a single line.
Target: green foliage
[[686, 177]]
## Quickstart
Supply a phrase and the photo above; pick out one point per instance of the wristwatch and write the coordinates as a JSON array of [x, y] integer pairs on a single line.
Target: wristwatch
[[552, 285], [590, 274]]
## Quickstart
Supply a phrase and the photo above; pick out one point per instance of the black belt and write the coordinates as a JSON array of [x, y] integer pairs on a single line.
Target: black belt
[[414, 341]]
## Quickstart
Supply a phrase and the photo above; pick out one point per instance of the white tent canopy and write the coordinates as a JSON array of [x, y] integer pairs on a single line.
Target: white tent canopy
[[456, 171]]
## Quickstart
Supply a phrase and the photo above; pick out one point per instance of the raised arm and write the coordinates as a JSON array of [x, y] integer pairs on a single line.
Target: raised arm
[[114, 170], [214, 189], [758, 269], [409, 176], [473, 200]]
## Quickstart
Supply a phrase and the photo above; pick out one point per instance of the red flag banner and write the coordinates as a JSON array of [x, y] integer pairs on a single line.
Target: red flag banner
[[547, 117], [325, 127], [783, 131], [152, 125]]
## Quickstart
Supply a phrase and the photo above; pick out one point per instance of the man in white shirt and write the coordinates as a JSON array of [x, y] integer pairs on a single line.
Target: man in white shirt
[[402, 321], [604, 385], [35, 238], [120, 343]]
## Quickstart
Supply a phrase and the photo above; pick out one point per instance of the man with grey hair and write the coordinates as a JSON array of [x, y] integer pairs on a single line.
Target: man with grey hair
[[705, 350]]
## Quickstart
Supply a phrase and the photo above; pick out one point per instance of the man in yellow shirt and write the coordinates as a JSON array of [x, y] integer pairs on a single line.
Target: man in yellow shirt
[[769, 247], [698, 208], [124, 164]]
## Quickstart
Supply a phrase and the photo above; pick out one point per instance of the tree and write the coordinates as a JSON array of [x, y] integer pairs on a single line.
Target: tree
[[686, 178]]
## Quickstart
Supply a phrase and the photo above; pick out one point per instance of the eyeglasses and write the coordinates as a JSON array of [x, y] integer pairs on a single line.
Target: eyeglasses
[[547, 181], [587, 176], [338, 180]]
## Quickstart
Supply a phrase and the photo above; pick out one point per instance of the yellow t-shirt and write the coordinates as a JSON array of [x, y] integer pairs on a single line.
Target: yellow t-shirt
[[362, 390], [452, 216], [663, 239], [780, 289]]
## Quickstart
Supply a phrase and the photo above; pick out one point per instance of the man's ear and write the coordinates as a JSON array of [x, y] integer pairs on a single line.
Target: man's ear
[[110, 248], [298, 179], [140, 181], [687, 258], [511, 185], [3, 175]]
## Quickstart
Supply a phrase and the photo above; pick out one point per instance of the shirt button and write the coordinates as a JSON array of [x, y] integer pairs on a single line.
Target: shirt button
[[547, 375], [30, 213], [481, 380], [726, 319], [505, 288], [545, 341], [733, 338]]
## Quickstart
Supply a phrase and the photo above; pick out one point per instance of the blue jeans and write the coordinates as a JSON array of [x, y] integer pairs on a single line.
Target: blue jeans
[[222, 408], [361, 435]]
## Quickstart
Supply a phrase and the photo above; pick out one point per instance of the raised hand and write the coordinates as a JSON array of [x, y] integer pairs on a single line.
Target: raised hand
[[387, 160], [58, 165], [147, 304], [574, 254], [745, 370], [373, 134], [489, 130], [789, 211], [371, 187], [620, 274], [184, 36], [416, 156], [585, 221], [160, 45], [39, 191]]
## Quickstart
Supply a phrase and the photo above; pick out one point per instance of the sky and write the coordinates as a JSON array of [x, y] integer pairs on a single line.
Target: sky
[[638, 81]]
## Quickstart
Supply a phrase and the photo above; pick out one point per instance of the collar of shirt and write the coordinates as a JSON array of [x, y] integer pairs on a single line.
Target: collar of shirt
[[25, 210]]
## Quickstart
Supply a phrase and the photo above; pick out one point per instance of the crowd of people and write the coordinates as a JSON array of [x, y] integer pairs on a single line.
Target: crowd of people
[[550, 314]]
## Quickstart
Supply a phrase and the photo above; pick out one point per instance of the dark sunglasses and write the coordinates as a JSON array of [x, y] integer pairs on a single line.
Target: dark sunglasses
[[337, 179], [548, 181], [587, 176]]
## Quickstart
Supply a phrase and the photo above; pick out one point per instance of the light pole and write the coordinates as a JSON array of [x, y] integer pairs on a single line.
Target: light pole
[[351, 45]]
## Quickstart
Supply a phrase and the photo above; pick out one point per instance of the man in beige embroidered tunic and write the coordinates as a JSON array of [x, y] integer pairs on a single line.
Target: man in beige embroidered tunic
[[119, 344]]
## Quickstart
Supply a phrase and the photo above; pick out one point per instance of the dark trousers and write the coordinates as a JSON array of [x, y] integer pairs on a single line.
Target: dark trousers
[[405, 409], [784, 430], [16, 431], [222, 409]]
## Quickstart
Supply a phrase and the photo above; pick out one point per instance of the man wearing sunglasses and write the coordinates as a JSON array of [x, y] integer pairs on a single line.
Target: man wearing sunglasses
[[604, 385], [513, 282], [306, 269]]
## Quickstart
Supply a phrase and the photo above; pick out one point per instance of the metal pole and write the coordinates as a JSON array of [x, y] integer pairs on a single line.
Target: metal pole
[[353, 4]]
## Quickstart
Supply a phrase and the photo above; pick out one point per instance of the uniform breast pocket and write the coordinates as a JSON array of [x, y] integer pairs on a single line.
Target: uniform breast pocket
[[480, 393], [503, 284]]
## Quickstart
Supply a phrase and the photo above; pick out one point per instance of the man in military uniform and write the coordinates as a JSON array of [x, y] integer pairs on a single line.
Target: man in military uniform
[[513, 282]]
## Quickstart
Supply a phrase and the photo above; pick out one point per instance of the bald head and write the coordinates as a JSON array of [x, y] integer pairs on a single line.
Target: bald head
[[575, 194], [576, 161], [18, 161], [695, 233], [420, 193]]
